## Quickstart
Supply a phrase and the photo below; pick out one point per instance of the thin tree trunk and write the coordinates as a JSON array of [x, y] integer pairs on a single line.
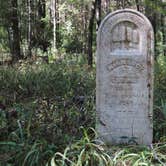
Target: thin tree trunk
[[57, 25], [118, 4], [86, 29], [29, 29], [83, 27], [152, 16], [42, 26], [163, 24], [16, 51], [150, 13], [107, 6], [10, 39], [54, 26], [90, 36], [137, 5], [98, 13]]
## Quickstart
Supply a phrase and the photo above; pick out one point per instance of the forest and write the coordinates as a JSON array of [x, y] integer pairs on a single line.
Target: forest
[[48, 84]]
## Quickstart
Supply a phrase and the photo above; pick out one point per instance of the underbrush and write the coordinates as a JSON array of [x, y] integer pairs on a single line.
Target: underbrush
[[48, 107], [90, 152], [42, 108], [159, 118]]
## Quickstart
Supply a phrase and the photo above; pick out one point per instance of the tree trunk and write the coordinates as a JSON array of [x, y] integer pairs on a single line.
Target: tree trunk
[[29, 29], [83, 35], [43, 41], [107, 6], [57, 24], [163, 24], [152, 16], [86, 29], [16, 51], [90, 36], [137, 5], [54, 24], [98, 13], [150, 13], [10, 39]]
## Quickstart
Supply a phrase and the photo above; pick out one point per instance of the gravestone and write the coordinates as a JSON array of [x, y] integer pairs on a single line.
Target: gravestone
[[124, 91]]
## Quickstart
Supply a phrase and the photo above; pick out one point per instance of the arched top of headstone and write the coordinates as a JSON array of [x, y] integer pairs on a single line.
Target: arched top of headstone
[[123, 12], [126, 30]]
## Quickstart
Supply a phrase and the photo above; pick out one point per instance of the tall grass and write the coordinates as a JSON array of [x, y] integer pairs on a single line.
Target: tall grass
[[90, 152]]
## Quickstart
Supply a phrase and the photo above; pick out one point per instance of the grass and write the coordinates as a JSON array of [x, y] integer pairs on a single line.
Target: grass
[[47, 117], [90, 152]]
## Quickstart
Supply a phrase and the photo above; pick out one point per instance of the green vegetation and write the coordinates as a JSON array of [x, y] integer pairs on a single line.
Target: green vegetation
[[47, 117], [160, 99], [47, 84]]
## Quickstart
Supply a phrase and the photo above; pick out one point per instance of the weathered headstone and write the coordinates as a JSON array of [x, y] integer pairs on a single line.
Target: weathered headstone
[[125, 78]]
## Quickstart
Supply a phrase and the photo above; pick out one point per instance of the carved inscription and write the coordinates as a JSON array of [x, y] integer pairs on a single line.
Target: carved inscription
[[124, 99], [125, 36], [125, 62], [127, 69]]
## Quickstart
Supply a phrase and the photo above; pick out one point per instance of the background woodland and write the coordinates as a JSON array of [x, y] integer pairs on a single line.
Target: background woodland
[[47, 84]]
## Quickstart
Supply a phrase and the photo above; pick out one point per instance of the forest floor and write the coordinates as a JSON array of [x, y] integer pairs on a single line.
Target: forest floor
[[47, 116]]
